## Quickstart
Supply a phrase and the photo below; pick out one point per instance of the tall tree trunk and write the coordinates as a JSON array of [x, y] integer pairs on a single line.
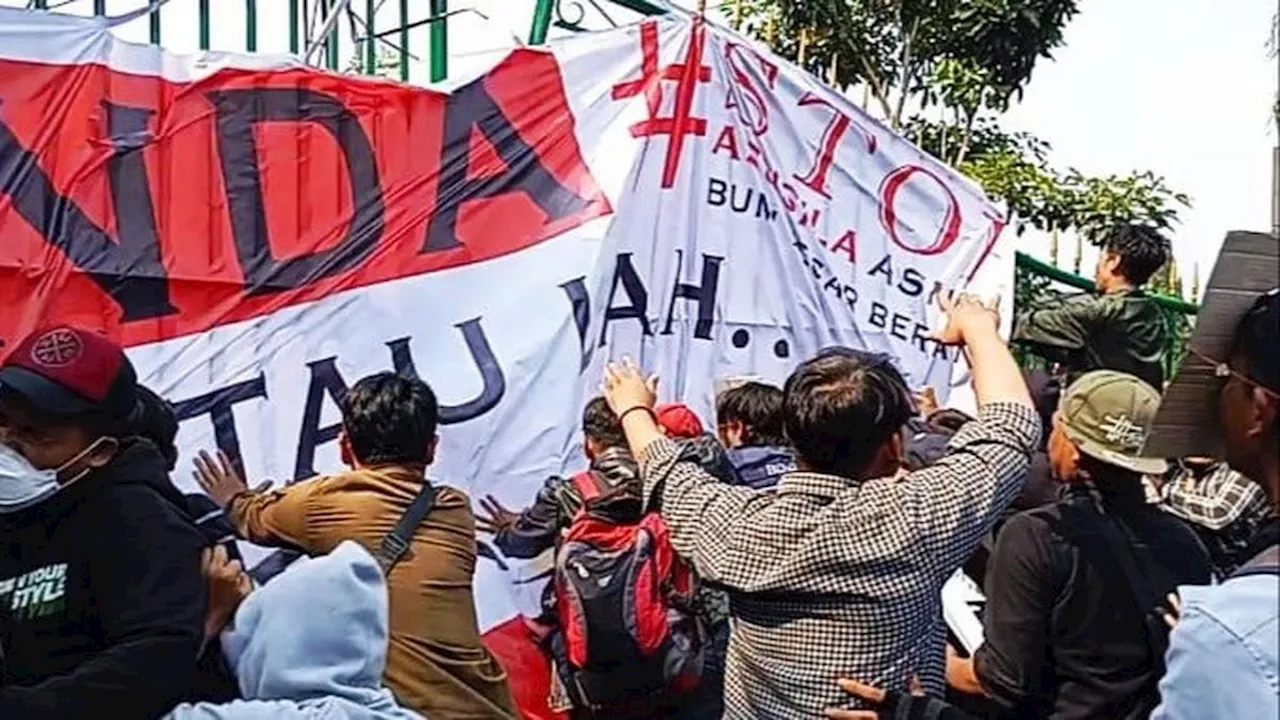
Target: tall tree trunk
[[907, 74]]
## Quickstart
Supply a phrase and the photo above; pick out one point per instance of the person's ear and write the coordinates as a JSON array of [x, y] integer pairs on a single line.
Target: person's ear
[[589, 449], [104, 450], [1263, 409], [889, 458], [344, 449], [431, 448], [897, 446]]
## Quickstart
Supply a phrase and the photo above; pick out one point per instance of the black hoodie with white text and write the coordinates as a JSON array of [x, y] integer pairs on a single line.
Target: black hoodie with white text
[[102, 600]]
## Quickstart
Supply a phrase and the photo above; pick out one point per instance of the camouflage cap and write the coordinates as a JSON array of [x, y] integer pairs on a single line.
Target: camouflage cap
[[1108, 415]]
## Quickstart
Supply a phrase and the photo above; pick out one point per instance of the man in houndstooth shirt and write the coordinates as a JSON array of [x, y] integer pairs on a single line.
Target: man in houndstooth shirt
[[838, 572]]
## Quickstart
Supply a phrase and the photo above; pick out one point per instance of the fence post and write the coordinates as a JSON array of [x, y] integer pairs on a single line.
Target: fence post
[[204, 24], [404, 40], [541, 22], [251, 25], [370, 42], [331, 42], [153, 26], [439, 40], [293, 26]]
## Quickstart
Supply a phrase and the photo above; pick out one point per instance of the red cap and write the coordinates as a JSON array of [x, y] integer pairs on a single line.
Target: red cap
[[67, 371], [678, 421]]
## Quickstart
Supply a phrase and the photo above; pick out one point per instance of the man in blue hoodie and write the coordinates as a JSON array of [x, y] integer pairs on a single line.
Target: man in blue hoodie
[[749, 423]]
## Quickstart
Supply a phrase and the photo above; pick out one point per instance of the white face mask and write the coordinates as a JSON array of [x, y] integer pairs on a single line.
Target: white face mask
[[23, 485]]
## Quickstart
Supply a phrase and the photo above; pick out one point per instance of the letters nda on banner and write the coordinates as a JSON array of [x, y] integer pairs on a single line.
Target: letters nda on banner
[[260, 235]]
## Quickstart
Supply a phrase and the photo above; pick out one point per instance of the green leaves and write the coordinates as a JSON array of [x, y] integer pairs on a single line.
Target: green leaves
[[962, 54], [943, 72], [1014, 168]]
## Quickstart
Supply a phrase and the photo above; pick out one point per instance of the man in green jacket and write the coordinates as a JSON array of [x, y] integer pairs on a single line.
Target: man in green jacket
[[1117, 327]]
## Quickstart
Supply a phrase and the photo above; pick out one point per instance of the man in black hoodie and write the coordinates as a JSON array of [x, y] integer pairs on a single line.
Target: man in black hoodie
[[102, 601], [156, 421]]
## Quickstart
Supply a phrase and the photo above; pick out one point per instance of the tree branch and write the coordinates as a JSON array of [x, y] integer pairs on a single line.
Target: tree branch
[[877, 86], [966, 137], [908, 74]]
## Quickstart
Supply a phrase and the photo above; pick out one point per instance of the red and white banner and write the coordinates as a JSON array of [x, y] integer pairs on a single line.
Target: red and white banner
[[261, 234]]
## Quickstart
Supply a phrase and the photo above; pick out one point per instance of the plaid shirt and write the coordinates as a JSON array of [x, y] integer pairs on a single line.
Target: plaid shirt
[[1227, 507], [831, 578]]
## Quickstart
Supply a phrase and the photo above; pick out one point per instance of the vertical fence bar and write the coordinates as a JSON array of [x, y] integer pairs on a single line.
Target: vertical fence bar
[[293, 26], [404, 40], [331, 42], [153, 26], [42, 4], [541, 21], [251, 25], [370, 43], [99, 7], [204, 24], [439, 40]]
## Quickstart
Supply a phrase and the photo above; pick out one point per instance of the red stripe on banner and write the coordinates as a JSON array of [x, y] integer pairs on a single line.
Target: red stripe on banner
[[528, 669], [153, 209]]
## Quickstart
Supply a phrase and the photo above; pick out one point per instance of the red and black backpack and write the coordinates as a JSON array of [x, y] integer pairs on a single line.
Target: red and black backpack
[[623, 601]]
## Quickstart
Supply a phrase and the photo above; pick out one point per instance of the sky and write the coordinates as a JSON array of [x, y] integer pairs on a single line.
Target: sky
[[1183, 88]]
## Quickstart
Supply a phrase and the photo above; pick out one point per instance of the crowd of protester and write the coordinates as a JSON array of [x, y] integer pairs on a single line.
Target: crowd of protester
[[786, 560]]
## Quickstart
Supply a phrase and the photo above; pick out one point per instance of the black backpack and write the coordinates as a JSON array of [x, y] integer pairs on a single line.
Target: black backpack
[[1147, 581]]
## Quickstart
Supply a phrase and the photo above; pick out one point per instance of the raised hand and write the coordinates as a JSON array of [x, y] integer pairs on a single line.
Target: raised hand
[[625, 387], [965, 315], [218, 478], [496, 517]]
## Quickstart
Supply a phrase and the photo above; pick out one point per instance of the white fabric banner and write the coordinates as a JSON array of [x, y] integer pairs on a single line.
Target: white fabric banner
[[728, 215]]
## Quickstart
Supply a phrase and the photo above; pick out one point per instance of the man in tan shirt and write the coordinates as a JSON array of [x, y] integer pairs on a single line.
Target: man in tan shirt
[[436, 662]]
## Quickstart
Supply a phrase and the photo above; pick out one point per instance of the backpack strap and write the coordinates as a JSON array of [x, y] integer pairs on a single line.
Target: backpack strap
[[1115, 539], [396, 543], [1135, 562]]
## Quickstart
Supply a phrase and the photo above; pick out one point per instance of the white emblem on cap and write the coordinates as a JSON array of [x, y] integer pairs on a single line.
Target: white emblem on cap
[[1121, 429], [57, 348]]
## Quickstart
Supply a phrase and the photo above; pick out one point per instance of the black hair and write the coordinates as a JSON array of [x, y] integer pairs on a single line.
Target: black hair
[[1257, 340], [841, 407], [1142, 251], [1112, 483], [759, 408], [391, 419], [601, 426], [1257, 343], [154, 419]]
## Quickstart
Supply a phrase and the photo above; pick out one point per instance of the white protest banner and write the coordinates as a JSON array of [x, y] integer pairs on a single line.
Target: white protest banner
[[260, 235]]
